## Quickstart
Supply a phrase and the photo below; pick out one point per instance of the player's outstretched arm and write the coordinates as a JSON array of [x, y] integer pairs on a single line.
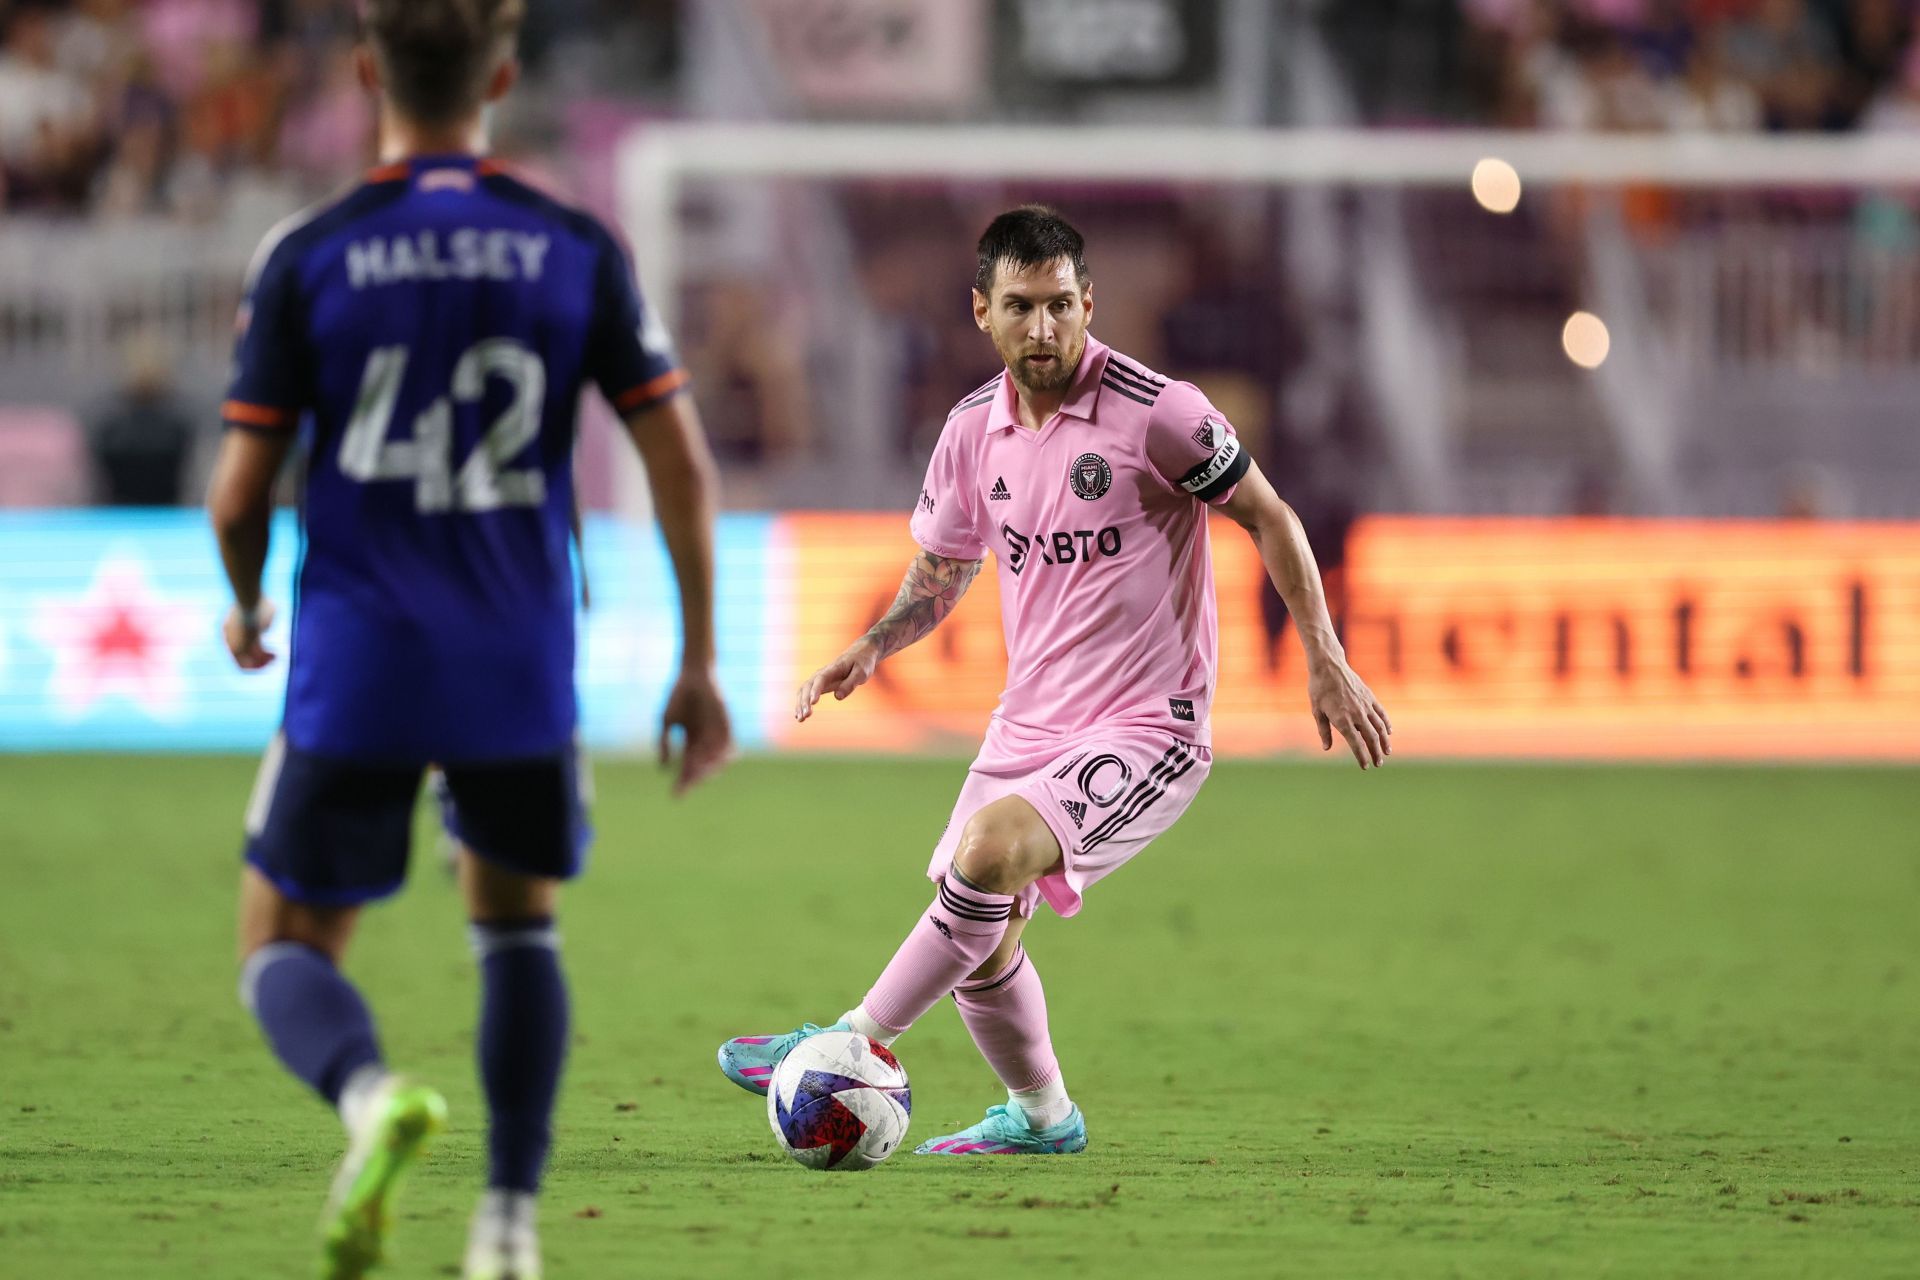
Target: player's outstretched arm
[[240, 504], [933, 585], [1340, 699], [685, 486]]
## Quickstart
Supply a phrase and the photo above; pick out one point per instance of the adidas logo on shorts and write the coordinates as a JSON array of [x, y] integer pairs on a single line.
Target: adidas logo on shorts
[[1077, 810]]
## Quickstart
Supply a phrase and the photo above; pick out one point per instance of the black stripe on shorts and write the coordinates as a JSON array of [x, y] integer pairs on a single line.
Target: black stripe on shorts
[[1173, 766], [1119, 817]]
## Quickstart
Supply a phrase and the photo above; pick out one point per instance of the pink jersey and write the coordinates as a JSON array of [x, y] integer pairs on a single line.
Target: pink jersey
[[1098, 523]]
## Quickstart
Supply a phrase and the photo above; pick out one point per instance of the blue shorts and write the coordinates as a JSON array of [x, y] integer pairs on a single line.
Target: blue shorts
[[334, 832]]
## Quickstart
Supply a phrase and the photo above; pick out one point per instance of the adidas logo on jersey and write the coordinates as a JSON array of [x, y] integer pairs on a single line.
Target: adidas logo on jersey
[[999, 493], [1077, 810]]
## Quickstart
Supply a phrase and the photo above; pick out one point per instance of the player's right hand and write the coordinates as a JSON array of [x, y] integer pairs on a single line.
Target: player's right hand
[[243, 632], [840, 677], [695, 707], [1342, 703]]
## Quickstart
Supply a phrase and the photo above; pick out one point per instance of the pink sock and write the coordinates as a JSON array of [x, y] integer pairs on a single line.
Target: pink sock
[[955, 937], [1007, 1015]]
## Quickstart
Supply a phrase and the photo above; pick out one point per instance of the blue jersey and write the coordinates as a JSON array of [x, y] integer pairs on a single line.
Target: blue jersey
[[428, 334]]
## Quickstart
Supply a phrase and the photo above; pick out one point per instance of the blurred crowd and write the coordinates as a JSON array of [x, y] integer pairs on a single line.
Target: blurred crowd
[[137, 107], [192, 109], [1691, 65], [127, 108]]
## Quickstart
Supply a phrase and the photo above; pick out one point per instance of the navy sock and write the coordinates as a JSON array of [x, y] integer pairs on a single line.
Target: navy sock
[[523, 1042], [314, 1018]]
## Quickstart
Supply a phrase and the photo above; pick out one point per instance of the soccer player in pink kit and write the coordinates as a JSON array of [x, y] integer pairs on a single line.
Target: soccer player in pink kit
[[1089, 476]]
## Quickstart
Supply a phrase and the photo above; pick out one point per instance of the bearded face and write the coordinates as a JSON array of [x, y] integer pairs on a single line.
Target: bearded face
[[1037, 318]]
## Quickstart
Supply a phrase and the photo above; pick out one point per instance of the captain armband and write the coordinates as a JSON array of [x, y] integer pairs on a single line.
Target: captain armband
[[1218, 473]]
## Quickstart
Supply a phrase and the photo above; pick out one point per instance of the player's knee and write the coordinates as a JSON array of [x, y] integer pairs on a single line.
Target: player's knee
[[993, 854]]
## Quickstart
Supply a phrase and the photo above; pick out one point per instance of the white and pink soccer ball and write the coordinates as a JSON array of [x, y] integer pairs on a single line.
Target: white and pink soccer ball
[[839, 1101]]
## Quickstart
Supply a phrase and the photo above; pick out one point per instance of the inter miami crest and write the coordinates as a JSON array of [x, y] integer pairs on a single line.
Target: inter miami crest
[[1090, 477]]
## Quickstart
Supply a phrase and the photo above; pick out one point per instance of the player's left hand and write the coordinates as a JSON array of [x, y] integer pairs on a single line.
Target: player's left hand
[[1341, 700], [243, 632], [694, 707]]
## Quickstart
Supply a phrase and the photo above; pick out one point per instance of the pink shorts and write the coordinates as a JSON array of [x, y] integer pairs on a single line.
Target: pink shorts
[[1105, 797]]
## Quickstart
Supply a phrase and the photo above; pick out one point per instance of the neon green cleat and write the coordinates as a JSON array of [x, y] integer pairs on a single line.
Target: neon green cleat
[[392, 1134]]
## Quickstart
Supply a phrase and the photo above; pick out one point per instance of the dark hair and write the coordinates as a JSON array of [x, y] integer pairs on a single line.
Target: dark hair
[[437, 55], [1028, 237]]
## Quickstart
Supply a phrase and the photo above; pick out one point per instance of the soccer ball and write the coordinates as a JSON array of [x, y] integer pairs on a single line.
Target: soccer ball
[[839, 1101]]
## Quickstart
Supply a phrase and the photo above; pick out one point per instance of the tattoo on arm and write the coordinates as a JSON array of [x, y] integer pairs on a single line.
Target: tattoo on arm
[[933, 585]]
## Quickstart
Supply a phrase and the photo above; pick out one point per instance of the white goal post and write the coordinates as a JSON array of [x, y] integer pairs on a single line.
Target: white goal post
[[657, 160]]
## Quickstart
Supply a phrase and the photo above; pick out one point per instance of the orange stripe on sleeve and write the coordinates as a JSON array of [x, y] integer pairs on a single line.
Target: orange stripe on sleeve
[[255, 415], [388, 172], [651, 390]]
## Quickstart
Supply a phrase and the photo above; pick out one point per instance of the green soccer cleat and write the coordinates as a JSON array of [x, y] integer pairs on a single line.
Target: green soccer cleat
[[1005, 1132], [749, 1061], [392, 1134]]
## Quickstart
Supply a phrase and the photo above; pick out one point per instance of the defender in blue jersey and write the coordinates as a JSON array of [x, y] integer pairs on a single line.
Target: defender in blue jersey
[[424, 339]]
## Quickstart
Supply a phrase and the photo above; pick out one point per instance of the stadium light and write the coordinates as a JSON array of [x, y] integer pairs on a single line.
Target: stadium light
[[1586, 339], [1496, 185]]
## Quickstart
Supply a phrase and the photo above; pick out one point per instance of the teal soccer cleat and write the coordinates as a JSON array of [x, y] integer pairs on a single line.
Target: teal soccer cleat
[[749, 1061], [1005, 1132]]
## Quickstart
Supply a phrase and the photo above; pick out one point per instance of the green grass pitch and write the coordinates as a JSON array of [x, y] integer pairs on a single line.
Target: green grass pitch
[[1437, 1021]]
